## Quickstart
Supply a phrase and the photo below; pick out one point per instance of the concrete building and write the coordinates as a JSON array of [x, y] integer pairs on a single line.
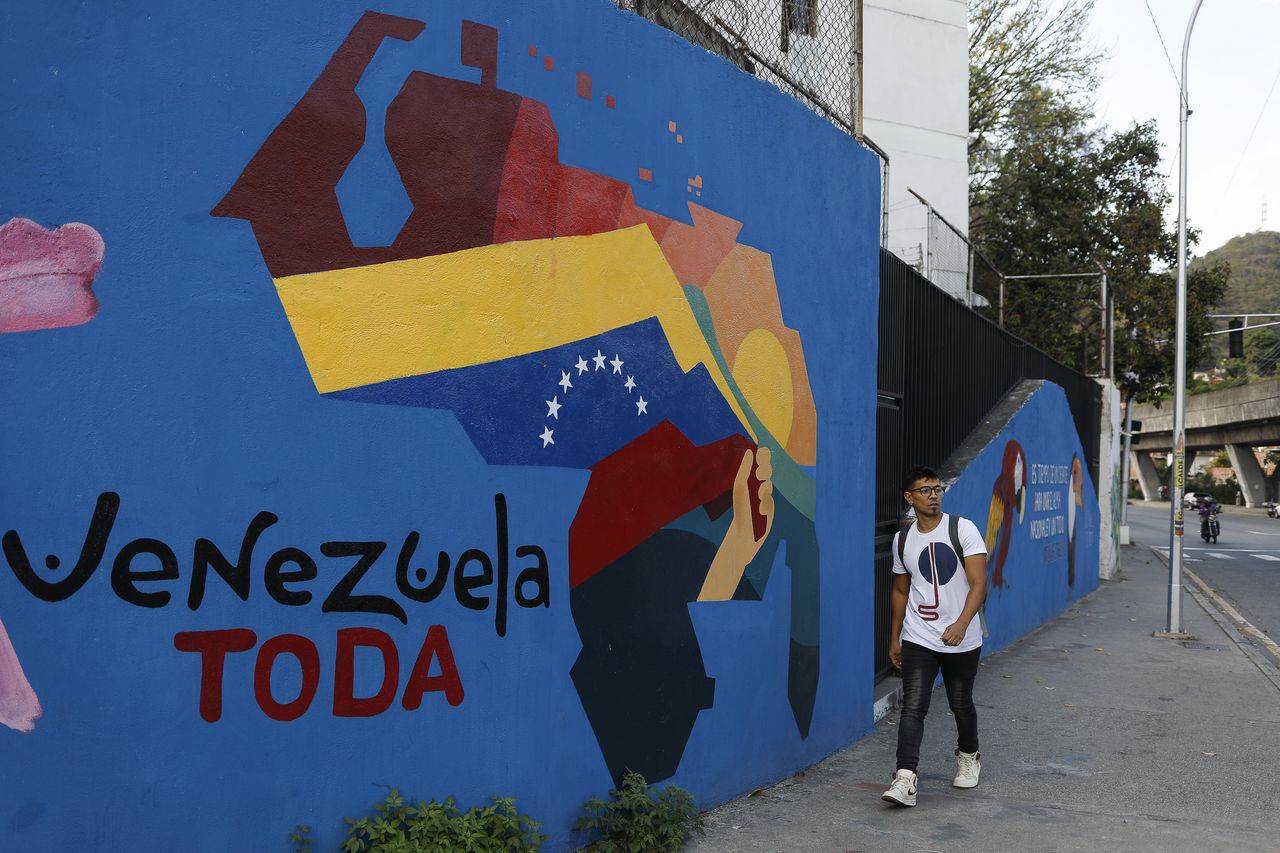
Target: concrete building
[[916, 108]]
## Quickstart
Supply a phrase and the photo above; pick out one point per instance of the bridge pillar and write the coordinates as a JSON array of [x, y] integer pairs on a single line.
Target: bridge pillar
[[1148, 479], [1253, 484]]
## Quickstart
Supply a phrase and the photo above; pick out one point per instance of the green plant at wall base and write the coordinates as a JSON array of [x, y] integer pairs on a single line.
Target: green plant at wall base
[[397, 826], [638, 818], [301, 838]]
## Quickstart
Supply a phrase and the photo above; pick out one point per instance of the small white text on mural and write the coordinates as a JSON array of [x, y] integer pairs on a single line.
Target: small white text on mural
[[1047, 495]]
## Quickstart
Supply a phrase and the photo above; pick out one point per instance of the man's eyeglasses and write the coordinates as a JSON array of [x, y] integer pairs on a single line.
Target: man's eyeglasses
[[928, 491]]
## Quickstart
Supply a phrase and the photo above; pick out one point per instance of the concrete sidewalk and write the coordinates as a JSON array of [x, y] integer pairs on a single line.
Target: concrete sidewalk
[[1095, 736]]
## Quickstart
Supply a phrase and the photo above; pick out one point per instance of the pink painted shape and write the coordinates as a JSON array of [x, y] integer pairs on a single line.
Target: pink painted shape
[[45, 275], [19, 705], [584, 85], [694, 251]]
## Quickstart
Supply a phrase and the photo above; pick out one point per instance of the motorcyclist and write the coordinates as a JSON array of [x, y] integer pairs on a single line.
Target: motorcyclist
[[1208, 509]]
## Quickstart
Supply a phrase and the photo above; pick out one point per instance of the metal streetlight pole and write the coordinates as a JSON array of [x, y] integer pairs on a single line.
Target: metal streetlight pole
[[1173, 625], [1125, 453]]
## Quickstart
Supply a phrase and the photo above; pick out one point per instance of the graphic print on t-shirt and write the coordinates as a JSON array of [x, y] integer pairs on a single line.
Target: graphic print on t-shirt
[[937, 565], [938, 587]]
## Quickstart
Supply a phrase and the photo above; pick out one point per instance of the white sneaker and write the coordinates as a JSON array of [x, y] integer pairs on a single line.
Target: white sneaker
[[902, 790], [970, 767]]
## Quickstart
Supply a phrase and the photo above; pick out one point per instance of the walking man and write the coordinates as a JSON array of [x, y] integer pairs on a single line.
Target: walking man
[[939, 583]]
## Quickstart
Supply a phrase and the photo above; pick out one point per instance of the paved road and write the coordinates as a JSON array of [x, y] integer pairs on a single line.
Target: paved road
[[1243, 566]]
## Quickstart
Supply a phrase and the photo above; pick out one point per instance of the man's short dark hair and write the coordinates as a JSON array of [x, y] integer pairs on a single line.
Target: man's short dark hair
[[920, 472]]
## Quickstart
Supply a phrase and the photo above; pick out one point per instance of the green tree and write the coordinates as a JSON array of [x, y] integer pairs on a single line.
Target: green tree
[[1262, 352], [1019, 49], [1060, 194], [1066, 198]]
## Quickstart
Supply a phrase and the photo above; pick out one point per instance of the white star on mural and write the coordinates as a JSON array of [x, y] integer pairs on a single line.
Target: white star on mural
[[642, 406], [599, 359], [631, 383], [581, 365], [546, 436], [617, 363], [553, 407], [564, 383]]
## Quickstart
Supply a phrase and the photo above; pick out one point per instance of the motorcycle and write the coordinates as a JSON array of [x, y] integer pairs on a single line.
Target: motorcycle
[[1209, 527], [1272, 511]]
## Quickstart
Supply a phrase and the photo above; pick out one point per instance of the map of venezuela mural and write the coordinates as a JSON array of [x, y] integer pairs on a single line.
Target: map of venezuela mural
[[565, 326]]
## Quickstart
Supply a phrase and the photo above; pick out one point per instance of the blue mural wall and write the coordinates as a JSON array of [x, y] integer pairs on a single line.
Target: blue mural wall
[[462, 397], [1029, 491]]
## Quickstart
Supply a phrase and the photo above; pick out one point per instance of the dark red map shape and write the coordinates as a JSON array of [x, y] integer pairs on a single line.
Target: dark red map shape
[[480, 165], [448, 139], [287, 190]]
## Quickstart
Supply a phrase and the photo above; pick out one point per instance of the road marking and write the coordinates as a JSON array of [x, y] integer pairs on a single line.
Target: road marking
[[1242, 624], [1218, 611], [1270, 557], [1220, 555], [1260, 533]]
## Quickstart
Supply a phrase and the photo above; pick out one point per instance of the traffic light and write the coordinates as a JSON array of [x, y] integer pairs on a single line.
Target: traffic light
[[1235, 339]]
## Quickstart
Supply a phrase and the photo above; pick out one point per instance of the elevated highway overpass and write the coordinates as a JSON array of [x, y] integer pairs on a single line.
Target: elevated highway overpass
[[1238, 419]]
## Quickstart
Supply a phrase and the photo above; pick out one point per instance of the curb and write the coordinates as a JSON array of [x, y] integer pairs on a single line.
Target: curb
[[1239, 630]]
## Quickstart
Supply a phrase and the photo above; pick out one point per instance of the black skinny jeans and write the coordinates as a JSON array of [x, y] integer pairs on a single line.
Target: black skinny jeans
[[920, 666]]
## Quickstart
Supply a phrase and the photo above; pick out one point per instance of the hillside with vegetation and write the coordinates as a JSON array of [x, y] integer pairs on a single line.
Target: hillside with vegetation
[[1255, 272]]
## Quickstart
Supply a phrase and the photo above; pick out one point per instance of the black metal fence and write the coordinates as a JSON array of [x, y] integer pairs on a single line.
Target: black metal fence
[[942, 367]]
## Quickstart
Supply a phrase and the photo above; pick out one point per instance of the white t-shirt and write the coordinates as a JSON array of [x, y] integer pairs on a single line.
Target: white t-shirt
[[938, 583]]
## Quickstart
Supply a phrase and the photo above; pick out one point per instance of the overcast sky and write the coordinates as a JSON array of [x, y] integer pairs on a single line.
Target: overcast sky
[[1234, 61]]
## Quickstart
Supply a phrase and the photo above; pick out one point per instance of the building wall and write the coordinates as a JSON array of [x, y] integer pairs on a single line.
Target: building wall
[[464, 398], [1029, 492], [916, 96]]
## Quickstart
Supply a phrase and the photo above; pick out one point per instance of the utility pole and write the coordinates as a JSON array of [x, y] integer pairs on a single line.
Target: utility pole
[[1173, 623], [1124, 470]]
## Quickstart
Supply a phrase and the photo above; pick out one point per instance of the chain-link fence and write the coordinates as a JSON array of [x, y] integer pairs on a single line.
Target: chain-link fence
[[941, 252], [804, 47], [809, 49]]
